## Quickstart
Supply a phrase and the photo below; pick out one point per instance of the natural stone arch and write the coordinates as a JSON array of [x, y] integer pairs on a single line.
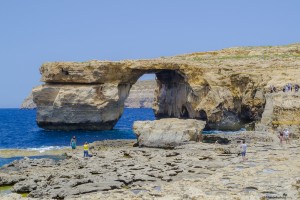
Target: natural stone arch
[[219, 87], [93, 106], [98, 105]]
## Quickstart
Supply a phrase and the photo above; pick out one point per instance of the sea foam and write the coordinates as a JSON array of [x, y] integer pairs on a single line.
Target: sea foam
[[46, 148]]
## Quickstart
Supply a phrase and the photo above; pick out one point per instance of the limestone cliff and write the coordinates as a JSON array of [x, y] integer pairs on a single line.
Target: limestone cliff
[[28, 102], [141, 96], [226, 88]]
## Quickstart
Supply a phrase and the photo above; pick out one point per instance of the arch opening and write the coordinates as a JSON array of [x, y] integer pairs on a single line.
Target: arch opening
[[171, 94]]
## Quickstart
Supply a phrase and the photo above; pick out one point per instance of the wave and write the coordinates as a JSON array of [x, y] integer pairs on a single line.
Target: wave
[[46, 148]]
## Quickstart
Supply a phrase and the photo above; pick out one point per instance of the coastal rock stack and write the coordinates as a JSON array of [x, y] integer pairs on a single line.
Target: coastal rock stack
[[225, 88]]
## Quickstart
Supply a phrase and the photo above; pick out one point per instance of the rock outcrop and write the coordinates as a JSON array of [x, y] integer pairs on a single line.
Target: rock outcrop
[[141, 96], [167, 133], [28, 102], [226, 88], [192, 171], [282, 110]]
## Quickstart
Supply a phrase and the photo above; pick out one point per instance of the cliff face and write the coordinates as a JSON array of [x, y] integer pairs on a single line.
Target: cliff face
[[28, 102], [141, 96], [226, 88], [282, 110]]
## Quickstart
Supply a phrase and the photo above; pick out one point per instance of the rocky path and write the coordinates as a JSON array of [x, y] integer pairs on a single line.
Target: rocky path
[[193, 171]]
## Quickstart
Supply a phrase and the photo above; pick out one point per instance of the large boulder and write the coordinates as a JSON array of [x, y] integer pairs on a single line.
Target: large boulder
[[167, 133]]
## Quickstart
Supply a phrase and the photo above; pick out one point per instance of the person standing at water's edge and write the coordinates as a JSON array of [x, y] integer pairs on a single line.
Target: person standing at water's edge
[[73, 142], [244, 149], [85, 150]]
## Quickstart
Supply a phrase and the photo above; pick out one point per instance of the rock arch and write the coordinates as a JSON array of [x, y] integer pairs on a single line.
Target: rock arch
[[226, 88], [91, 95], [66, 103]]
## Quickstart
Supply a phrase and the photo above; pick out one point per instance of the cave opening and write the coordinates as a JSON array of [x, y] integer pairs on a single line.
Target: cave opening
[[165, 91], [202, 115]]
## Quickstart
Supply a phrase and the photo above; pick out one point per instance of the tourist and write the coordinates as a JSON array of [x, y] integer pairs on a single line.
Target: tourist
[[286, 135], [85, 150], [73, 142], [244, 149], [296, 87], [289, 86], [280, 136], [272, 88], [285, 88]]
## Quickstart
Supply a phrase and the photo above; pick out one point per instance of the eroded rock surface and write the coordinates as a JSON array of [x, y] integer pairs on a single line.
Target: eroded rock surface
[[282, 110], [226, 88], [192, 171], [90, 107], [141, 96], [167, 133]]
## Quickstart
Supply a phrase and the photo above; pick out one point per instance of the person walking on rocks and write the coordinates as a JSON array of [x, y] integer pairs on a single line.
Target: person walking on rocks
[[286, 135], [85, 150], [296, 87], [244, 149], [73, 142]]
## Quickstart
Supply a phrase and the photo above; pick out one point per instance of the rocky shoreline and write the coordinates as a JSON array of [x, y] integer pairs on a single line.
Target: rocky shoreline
[[118, 170]]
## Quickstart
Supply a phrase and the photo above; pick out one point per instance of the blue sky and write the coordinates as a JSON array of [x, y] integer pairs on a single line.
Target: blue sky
[[33, 32]]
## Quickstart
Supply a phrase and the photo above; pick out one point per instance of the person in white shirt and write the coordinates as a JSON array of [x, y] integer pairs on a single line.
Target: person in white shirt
[[286, 135], [244, 149]]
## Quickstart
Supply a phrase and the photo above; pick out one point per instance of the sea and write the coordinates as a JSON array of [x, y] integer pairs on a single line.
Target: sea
[[18, 130]]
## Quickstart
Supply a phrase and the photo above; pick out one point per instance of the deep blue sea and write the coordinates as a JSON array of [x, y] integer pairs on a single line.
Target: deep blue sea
[[18, 129]]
